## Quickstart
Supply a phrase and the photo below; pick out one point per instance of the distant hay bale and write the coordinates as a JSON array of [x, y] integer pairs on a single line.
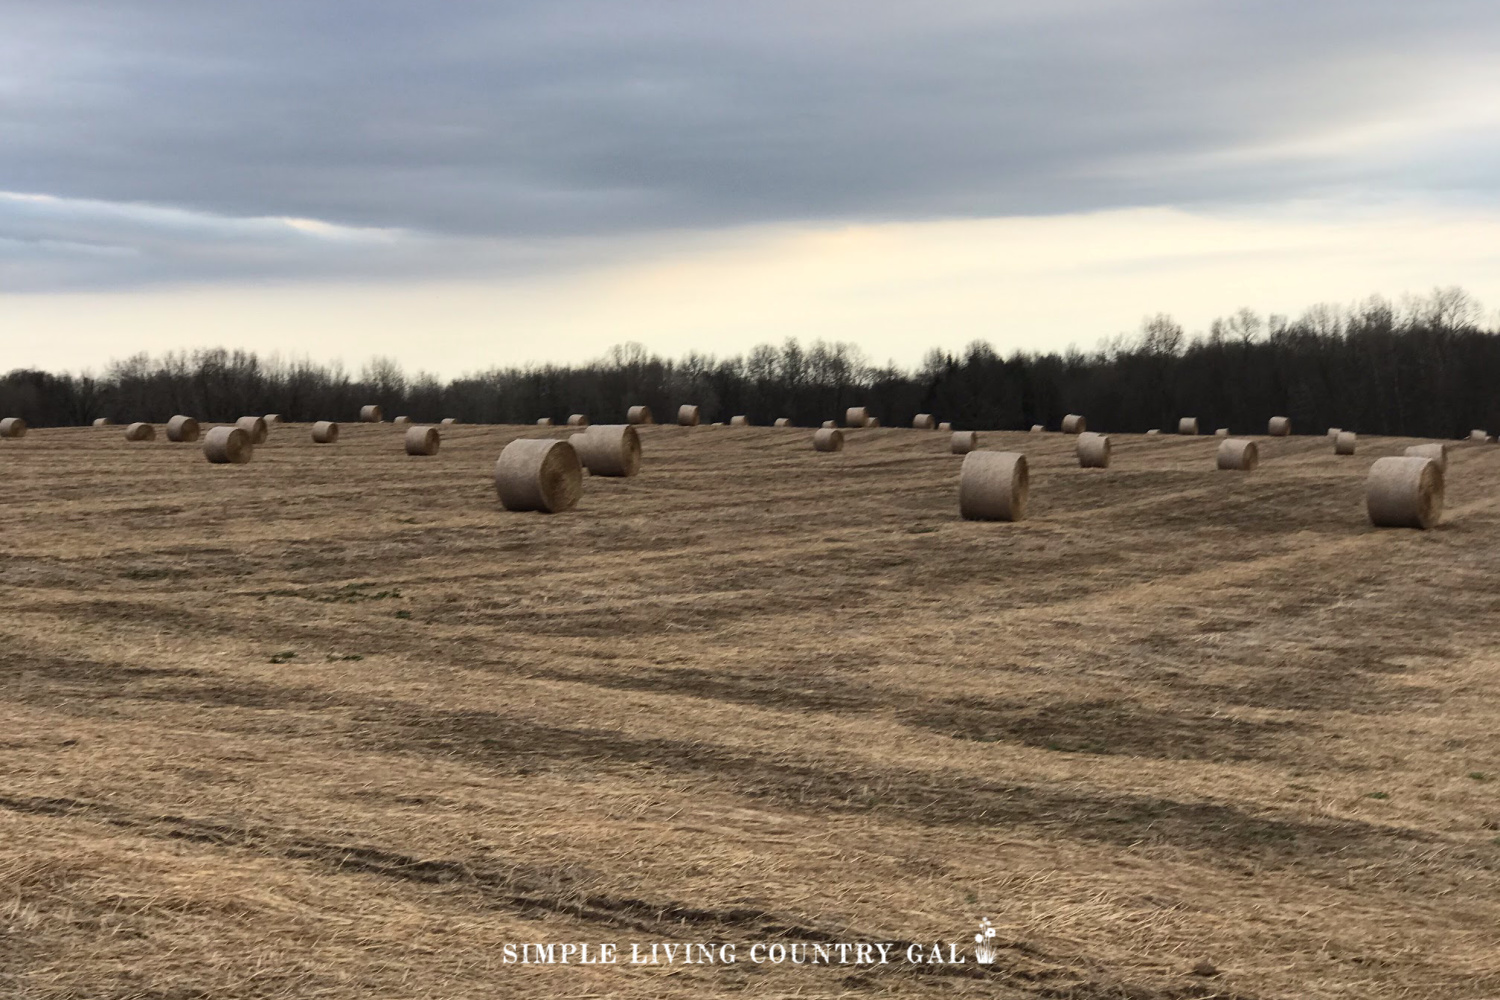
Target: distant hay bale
[[370, 415], [1153, 432], [1334, 432], [1344, 443], [1404, 492], [578, 420], [1279, 426], [609, 449], [1093, 451], [102, 422], [544, 422], [140, 432], [993, 486], [422, 440], [227, 446], [923, 422], [13, 427], [945, 426], [1437, 452], [325, 432], [1221, 432], [687, 415], [1038, 428], [1238, 455], [856, 416], [739, 420], [873, 422], [828, 439], [448, 421], [639, 415], [1074, 423], [963, 442], [402, 421], [183, 429], [1187, 425], [274, 418], [717, 423], [829, 423], [254, 427], [1480, 436], [539, 474], [782, 422]]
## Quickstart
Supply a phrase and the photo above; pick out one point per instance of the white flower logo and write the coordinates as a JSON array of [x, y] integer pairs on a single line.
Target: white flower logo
[[985, 948]]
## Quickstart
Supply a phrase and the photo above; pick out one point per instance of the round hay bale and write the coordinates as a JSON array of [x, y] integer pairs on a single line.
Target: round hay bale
[[963, 442], [1093, 451], [544, 422], [227, 446], [639, 415], [578, 420], [1153, 432], [1344, 443], [1187, 425], [1480, 436], [274, 418], [102, 422], [739, 420], [370, 415], [423, 441], [539, 474], [1038, 428], [1221, 432], [140, 432], [1404, 492], [325, 432], [687, 415], [1334, 432], [12, 427], [1074, 423], [184, 429], [993, 486], [448, 421], [1238, 455], [1437, 452], [782, 422], [873, 422], [254, 427], [609, 450], [1279, 426], [945, 426], [856, 416], [923, 422], [829, 423], [401, 421], [828, 439]]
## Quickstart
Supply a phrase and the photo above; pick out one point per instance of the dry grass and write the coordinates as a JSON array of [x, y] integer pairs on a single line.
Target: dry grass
[[334, 724]]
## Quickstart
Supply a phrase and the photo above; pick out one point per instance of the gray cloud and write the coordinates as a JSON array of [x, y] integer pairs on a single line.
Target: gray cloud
[[469, 132]]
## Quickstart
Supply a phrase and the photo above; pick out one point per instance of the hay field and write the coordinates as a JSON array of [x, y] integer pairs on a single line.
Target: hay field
[[334, 724]]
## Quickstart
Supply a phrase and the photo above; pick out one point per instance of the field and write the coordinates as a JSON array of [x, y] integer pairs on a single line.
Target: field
[[334, 724]]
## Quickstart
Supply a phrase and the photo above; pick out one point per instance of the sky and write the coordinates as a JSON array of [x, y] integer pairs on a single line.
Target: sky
[[464, 185]]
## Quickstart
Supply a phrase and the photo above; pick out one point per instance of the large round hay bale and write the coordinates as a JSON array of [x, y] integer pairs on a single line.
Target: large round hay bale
[[1093, 450], [1437, 452], [1187, 425], [829, 423], [993, 486], [422, 440], [448, 421], [828, 439], [945, 426], [401, 421], [274, 418], [856, 416], [1038, 428], [544, 422], [184, 429], [963, 442], [1074, 423], [102, 422], [923, 422], [1279, 426], [578, 420], [12, 427], [227, 446], [539, 474], [139, 431], [739, 420], [1238, 454], [254, 427], [639, 415], [609, 449], [782, 422], [1344, 443], [370, 414], [1404, 492], [325, 432], [687, 415]]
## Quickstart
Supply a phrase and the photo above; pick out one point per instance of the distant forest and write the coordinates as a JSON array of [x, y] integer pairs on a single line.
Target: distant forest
[[1426, 368]]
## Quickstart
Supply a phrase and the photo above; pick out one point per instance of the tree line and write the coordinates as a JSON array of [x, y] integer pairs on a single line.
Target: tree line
[[1428, 368]]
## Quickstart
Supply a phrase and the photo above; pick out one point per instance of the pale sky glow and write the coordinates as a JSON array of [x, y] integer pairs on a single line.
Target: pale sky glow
[[462, 186]]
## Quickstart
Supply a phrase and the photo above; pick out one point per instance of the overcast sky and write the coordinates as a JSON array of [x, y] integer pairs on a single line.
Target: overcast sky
[[465, 184]]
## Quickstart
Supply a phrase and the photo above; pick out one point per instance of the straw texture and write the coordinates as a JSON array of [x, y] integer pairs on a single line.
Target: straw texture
[[325, 432], [1093, 451], [993, 486], [963, 442], [423, 441], [856, 416], [370, 414], [1404, 492], [184, 429], [609, 449], [1238, 455], [1074, 423], [687, 415], [14, 427], [828, 439], [227, 446], [539, 474], [140, 432], [639, 415], [254, 427]]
